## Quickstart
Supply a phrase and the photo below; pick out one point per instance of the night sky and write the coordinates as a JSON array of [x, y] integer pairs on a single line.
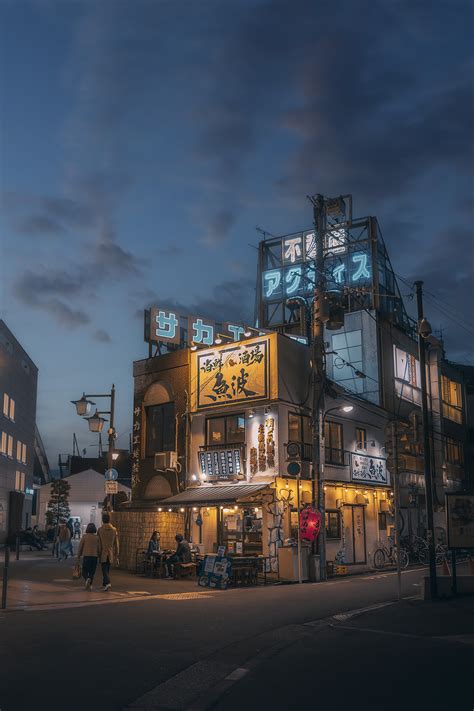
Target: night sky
[[142, 142]]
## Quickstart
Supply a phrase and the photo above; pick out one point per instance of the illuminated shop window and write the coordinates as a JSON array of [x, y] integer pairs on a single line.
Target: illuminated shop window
[[452, 399], [225, 430], [333, 524]]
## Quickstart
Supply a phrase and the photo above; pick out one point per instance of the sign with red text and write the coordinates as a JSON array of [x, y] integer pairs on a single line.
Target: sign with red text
[[310, 524]]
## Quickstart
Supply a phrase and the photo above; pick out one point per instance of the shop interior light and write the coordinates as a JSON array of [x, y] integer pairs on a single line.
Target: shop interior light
[[194, 508], [160, 509], [193, 477], [170, 510], [182, 510], [236, 508], [256, 509], [251, 413]]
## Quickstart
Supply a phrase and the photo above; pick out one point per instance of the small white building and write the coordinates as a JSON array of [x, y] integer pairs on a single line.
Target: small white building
[[86, 497]]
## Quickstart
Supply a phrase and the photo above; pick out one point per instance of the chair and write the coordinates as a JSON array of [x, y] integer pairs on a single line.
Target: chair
[[184, 570]]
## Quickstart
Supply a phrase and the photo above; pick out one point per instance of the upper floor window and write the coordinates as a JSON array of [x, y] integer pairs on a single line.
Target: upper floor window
[[10, 446], [160, 429], [225, 430], [19, 481], [299, 430], [333, 443], [21, 452], [453, 452], [3, 443], [361, 438], [8, 407], [452, 399]]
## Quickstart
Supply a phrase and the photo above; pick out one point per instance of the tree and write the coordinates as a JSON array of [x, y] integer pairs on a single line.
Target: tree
[[58, 506]]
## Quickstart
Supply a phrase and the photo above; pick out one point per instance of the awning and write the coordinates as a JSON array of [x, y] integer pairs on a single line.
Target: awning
[[218, 494]]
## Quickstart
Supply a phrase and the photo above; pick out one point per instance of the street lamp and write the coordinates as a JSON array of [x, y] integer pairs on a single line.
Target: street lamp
[[96, 423], [83, 405]]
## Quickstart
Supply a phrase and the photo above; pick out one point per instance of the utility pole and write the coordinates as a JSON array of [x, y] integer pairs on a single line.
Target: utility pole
[[424, 331], [396, 496], [111, 434], [318, 366]]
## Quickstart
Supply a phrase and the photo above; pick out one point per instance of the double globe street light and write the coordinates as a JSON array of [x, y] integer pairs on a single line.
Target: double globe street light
[[96, 422]]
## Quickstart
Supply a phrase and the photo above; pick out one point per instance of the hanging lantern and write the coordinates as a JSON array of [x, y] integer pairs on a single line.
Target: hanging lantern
[[310, 524]]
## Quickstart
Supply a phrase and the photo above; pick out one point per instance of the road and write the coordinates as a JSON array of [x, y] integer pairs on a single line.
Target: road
[[110, 656]]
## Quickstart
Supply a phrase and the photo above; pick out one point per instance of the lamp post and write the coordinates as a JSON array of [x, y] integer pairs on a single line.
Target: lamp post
[[96, 423]]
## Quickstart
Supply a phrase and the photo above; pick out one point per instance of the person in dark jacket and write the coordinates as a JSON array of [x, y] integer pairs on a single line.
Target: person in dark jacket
[[182, 555]]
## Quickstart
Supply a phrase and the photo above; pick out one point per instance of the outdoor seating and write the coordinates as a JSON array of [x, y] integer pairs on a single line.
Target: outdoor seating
[[184, 570]]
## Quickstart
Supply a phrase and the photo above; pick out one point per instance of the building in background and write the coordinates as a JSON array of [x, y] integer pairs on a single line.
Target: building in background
[[216, 405], [18, 391]]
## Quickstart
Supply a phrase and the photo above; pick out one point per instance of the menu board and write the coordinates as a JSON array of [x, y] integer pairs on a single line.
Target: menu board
[[220, 464]]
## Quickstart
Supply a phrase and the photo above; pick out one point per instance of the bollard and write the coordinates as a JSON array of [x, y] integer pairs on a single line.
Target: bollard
[[5, 577], [17, 544]]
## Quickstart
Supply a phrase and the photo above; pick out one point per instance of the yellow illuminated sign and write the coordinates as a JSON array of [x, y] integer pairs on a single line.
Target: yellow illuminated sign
[[232, 374]]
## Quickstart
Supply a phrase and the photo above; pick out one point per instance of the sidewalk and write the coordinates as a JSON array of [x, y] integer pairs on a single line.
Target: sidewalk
[[38, 581]]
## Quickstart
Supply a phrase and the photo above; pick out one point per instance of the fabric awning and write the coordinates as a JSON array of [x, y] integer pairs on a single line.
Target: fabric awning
[[218, 494]]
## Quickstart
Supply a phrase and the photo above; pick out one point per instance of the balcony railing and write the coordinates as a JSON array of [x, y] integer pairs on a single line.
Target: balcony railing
[[338, 457]]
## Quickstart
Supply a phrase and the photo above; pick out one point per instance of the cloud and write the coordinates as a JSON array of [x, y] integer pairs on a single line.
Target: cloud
[[101, 336], [228, 301], [39, 225], [218, 228]]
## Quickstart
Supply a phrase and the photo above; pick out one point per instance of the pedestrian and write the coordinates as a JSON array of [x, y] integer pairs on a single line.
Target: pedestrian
[[77, 529], [108, 549], [89, 550], [70, 527], [182, 554], [64, 540]]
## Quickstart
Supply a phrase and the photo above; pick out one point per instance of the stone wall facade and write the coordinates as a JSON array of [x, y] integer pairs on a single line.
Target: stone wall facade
[[135, 529]]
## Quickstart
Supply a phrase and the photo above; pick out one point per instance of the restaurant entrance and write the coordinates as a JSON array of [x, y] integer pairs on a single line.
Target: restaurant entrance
[[240, 529]]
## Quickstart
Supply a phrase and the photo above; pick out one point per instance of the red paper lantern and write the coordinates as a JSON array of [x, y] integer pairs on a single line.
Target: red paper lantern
[[310, 524]]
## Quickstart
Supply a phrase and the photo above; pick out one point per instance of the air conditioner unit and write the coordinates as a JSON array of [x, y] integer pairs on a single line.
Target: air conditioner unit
[[165, 460]]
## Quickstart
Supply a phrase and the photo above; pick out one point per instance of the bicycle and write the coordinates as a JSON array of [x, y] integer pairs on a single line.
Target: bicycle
[[387, 554]]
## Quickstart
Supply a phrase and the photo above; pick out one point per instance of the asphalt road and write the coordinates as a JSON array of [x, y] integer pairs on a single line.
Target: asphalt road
[[179, 648]]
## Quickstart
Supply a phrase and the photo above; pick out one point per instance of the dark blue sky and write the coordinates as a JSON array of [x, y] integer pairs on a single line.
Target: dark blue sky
[[142, 141]]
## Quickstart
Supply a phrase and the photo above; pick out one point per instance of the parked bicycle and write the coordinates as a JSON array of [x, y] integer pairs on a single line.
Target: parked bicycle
[[386, 554]]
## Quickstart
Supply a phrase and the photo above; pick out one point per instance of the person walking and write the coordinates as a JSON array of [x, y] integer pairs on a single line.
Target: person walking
[[108, 549], [89, 550], [63, 538], [70, 528]]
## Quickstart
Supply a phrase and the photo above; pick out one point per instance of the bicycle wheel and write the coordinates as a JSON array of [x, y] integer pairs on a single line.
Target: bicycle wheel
[[403, 557], [424, 555], [379, 558], [441, 553]]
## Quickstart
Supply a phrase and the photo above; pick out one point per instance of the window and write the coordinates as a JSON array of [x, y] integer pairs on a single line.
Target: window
[[299, 430], [361, 438], [23, 453], [10, 446], [333, 524], [334, 452], [452, 399], [19, 481], [12, 410], [453, 453], [160, 429], [347, 359], [18, 450], [225, 430], [6, 408], [3, 443], [407, 375]]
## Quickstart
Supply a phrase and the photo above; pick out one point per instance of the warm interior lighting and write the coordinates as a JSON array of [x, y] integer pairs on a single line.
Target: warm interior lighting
[[182, 510], [194, 508], [160, 509]]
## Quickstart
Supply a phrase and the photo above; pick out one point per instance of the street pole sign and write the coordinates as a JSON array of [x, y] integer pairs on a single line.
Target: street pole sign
[[111, 475], [111, 487]]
